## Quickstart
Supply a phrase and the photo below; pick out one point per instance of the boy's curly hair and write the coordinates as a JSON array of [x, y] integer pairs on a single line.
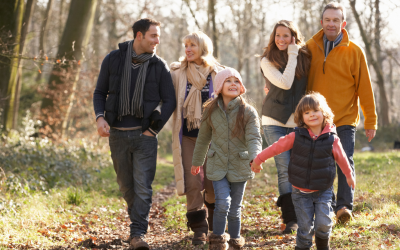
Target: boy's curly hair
[[313, 101]]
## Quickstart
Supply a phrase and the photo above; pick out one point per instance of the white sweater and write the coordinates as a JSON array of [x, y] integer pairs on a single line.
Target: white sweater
[[283, 81]]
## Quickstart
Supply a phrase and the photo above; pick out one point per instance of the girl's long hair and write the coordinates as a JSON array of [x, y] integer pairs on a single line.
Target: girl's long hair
[[280, 58], [313, 101], [211, 104]]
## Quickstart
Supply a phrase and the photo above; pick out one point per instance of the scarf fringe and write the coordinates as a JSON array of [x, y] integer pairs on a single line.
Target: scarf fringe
[[193, 124]]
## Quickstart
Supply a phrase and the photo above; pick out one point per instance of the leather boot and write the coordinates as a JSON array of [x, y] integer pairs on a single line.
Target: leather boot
[[198, 223], [210, 211], [138, 243], [321, 244], [235, 244], [288, 213], [218, 242]]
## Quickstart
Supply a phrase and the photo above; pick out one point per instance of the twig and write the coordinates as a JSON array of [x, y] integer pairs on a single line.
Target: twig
[[191, 11]]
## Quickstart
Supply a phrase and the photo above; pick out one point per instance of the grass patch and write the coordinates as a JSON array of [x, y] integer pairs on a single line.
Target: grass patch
[[376, 208], [74, 196], [60, 216]]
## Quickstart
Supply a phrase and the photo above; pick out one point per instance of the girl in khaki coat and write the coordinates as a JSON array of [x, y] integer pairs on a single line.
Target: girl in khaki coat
[[233, 128], [193, 79]]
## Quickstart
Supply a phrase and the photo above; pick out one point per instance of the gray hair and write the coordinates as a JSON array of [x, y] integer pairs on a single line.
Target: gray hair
[[335, 6]]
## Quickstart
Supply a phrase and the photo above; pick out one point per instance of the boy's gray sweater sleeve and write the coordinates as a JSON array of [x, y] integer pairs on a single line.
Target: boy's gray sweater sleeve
[[202, 144], [252, 134]]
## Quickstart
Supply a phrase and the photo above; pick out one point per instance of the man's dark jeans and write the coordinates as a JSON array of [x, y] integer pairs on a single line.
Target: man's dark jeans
[[135, 157], [345, 194]]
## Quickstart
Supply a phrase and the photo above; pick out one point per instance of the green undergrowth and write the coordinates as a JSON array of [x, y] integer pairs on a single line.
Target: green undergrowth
[[24, 217], [48, 191]]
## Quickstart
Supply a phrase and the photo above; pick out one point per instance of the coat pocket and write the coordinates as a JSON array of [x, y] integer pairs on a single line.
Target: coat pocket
[[210, 153], [210, 162], [244, 155]]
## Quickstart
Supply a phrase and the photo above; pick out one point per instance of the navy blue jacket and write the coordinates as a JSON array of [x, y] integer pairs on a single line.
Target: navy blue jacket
[[312, 164], [158, 87]]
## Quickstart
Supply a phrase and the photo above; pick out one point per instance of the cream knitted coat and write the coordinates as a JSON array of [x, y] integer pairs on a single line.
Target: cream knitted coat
[[179, 80]]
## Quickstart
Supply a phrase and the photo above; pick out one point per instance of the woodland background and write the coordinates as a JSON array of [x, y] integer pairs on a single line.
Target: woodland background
[[51, 50], [57, 182]]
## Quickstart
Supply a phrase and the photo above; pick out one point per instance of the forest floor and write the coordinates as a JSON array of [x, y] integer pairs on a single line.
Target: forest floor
[[97, 217]]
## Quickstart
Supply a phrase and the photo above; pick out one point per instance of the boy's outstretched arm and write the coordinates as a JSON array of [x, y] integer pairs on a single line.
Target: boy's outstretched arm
[[284, 143]]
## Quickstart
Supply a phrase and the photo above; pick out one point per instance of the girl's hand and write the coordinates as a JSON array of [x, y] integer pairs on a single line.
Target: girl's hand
[[351, 182], [256, 168], [293, 41], [195, 170]]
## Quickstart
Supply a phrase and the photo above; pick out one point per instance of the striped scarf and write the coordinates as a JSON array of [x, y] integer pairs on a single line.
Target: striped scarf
[[136, 106], [328, 45]]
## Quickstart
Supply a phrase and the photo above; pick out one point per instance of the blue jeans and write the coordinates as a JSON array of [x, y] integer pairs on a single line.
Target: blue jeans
[[272, 134], [228, 203], [345, 194], [135, 157], [308, 205]]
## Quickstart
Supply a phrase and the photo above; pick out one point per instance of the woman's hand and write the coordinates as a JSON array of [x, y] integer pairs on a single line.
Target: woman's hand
[[195, 170], [293, 41]]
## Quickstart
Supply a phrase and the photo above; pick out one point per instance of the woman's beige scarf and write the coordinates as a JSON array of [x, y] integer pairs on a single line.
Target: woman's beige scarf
[[197, 76]]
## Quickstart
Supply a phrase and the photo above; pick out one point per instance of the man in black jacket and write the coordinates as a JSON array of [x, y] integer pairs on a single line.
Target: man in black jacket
[[135, 97]]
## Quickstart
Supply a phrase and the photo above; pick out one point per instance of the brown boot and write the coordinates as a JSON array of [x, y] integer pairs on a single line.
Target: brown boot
[[137, 243], [236, 243], [321, 244], [218, 242], [198, 223], [343, 216], [210, 211]]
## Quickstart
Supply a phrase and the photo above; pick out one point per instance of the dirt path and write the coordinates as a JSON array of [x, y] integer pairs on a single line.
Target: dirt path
[[158, 237], [114, 234]]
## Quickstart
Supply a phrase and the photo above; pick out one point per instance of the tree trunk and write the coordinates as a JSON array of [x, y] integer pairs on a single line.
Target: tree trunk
[[383, 102], [60, 19], [30, 6], [72, 45], [43, 36], [211, 14], [11, 15]]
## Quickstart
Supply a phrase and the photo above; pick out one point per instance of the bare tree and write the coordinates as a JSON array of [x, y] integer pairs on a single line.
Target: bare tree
[[11, 16], [43, 34], [376, 60], [71, 49], [211, 19], [30, 6]]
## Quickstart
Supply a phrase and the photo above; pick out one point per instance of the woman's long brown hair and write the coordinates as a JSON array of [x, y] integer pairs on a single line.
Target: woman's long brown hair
[[279, 58], [211, 104]]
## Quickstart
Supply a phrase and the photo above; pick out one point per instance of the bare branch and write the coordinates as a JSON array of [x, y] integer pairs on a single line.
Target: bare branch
[[191, 11]]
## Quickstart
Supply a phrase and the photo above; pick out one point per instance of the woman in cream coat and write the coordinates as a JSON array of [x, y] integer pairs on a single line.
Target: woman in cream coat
[[193, 79]]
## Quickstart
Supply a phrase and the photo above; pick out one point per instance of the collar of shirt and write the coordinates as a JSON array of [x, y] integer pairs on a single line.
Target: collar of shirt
[[329, 45]]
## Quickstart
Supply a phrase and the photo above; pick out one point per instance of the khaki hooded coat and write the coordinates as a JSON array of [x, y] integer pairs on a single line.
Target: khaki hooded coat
[[179, 80]]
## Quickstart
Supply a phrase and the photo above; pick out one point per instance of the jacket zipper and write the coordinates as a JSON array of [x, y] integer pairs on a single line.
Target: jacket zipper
[[323, 65], [310, 160]]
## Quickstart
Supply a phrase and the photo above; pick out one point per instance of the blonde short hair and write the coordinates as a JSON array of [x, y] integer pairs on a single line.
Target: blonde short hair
[[205, 45], [313, 101]]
